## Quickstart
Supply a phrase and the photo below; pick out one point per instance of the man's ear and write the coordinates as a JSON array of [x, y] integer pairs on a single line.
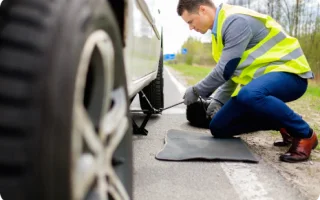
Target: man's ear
[[202, 9]]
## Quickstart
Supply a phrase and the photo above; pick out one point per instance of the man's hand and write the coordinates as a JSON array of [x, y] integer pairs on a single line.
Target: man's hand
[[190, 96], [213, 108]]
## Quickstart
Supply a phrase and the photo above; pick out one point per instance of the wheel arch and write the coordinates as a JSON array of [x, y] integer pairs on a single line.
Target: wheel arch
[[120, 8]]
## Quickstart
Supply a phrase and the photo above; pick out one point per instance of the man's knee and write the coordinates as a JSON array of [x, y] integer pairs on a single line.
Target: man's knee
[[248, 96], [217, 130]]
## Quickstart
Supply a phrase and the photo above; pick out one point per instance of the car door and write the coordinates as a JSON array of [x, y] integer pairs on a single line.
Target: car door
[[146, 51]]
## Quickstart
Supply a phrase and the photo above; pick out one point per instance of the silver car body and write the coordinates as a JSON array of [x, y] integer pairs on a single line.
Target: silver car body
[[143, 43]]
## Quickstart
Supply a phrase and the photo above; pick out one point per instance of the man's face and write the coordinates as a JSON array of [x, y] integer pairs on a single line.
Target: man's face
[[198, 21]]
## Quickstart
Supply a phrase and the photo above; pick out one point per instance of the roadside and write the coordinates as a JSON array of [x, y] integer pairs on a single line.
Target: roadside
[[304, 176]]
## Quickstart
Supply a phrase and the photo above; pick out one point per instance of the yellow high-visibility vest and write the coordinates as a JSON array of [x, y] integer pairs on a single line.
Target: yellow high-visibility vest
[[277, 52]]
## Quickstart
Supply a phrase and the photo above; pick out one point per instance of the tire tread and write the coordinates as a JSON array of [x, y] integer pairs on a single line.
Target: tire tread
[[154, 91], [23, 27]]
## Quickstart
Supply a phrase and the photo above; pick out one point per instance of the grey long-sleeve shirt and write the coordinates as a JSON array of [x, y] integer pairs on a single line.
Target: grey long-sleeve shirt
[[239, 33]]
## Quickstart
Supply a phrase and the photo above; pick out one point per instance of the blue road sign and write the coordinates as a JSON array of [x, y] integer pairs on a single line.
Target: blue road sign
[[184, 51], [169, 57]]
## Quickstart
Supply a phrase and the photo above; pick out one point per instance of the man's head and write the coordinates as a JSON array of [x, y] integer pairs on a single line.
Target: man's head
[[199, 14]]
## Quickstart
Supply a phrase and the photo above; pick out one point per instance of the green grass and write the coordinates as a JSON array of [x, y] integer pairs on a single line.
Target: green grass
[[312, 95], [312, 100], [193, 74], [314, 89]]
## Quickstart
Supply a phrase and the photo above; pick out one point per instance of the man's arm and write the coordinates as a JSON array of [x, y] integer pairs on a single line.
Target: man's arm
[[236, 36], [224, 92], [221, 96]]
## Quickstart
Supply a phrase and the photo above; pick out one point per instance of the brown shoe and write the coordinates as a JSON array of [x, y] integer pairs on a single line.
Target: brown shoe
[[300, 149], [286, 139]]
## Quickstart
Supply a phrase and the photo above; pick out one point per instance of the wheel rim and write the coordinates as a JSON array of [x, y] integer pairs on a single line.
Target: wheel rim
[[96, 132]]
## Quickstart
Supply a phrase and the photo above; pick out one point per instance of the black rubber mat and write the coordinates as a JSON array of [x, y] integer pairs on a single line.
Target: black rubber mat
[[185, 145]]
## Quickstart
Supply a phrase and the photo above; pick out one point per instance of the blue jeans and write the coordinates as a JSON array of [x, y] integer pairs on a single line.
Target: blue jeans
[[260, 105]]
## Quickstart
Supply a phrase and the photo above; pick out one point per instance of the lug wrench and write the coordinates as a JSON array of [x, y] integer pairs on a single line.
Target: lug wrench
[[162, 109]]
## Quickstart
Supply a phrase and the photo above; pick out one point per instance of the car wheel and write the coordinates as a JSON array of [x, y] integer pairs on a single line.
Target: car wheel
[[65, 131], [154, 91]]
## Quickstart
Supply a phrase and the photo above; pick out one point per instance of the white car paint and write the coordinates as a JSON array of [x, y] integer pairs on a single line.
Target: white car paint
[[143, 43]]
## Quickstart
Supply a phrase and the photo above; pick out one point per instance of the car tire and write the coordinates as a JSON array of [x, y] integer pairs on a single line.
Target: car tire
[[154, 91], [65, 131], [196, 114]]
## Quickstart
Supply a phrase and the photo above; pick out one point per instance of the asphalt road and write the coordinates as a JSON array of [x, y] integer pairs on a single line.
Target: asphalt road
[[159, 180]]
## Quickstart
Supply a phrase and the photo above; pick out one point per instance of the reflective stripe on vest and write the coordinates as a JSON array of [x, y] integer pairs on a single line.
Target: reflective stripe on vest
[[276, 52]]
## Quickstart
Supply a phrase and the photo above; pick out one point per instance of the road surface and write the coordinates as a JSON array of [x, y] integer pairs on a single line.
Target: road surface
[[164, 180]]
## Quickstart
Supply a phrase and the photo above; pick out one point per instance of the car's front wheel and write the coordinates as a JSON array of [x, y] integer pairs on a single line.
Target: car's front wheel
[[154, 91], [65, 131]]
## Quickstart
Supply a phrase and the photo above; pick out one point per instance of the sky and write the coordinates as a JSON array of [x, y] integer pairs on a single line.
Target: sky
[[175, 30]]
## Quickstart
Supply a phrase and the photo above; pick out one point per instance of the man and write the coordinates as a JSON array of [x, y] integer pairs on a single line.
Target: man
[[259, 68]]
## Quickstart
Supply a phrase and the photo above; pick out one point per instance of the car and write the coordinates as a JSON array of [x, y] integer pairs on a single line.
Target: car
[[69, 70]]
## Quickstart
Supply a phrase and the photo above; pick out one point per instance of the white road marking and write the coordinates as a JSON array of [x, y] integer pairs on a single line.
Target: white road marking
[[242, 176], [245, 181], [180, 87]]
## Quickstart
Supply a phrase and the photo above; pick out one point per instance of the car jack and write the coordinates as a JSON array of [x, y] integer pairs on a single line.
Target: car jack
[[141, 130]]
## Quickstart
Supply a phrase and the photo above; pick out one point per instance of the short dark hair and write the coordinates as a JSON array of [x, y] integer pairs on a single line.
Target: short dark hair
[[192, 5]]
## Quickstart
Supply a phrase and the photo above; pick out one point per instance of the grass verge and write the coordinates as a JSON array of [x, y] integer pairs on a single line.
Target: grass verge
[[192, 74]]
